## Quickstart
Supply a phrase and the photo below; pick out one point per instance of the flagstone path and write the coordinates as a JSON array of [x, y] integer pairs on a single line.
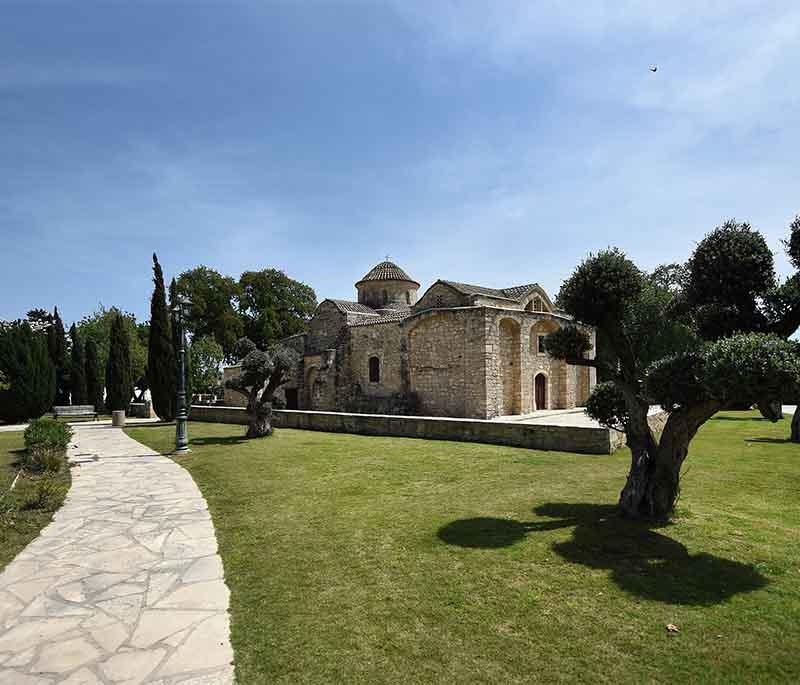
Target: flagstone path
[[125, 584]]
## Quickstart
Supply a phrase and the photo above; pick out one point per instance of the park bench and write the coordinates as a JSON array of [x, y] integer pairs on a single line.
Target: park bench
[[75, 411]]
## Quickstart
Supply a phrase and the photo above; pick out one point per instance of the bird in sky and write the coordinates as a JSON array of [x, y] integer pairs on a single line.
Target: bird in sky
[[653, 68]]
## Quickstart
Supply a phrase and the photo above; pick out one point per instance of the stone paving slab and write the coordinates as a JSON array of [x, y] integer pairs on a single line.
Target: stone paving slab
[[125, 584]]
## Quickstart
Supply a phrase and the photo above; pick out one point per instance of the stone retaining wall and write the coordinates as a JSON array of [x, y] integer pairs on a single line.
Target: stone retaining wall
[[515, 434]]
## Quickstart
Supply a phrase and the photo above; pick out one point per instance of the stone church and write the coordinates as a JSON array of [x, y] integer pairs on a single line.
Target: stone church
[[459, 350]]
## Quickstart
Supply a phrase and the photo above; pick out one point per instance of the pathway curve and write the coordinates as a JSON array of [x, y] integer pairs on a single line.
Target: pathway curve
[[125, 585]]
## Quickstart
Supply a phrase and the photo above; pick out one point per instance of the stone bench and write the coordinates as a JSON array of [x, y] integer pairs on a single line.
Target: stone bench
[[75, 411]]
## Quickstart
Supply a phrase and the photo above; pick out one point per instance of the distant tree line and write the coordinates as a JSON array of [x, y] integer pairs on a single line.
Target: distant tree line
[[108, 358]]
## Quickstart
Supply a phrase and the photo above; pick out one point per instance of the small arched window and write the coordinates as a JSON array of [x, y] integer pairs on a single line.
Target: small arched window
[[385, 297], [374, 370], [408, 297], [537, 305]]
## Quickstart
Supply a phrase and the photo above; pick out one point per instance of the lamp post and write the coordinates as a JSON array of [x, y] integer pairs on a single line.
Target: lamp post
[[181, 312]]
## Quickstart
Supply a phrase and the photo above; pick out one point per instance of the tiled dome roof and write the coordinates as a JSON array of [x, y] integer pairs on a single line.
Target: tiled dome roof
[[387, 271]]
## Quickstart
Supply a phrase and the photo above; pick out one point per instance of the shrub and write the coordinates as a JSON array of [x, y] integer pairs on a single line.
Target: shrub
[[47, 494], [47, 431], [46, 440]]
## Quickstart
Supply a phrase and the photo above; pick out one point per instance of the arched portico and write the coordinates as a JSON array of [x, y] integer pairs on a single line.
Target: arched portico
[[510, 368]]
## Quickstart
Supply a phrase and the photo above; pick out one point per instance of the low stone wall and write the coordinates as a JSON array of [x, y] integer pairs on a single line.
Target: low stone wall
[[534, 436]]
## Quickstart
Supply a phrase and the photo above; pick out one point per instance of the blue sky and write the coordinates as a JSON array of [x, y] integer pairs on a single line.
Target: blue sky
[[495, 143]]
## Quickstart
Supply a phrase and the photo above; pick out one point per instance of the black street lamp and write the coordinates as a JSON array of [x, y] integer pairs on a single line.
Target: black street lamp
[[181, 312]]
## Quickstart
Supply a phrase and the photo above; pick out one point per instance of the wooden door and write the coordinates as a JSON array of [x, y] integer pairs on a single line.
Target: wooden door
[[540, 391]]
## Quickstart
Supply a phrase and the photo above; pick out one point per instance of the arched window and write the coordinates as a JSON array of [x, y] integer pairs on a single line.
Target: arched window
[[374, 370], [537, 305], [385, 297], [408, 297]]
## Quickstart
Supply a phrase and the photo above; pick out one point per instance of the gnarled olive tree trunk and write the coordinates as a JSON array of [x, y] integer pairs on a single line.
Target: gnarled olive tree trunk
[[260, 423], [259, 414], [653, 482], [772, 409]]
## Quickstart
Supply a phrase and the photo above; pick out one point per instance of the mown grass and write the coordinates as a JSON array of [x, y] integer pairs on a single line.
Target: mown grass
[[20, 521], [364, 559]]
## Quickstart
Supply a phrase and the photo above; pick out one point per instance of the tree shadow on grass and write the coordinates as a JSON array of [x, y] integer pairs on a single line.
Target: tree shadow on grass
[[641, 561], [215, 440], [772, 441], [148, 425], [738, 418]]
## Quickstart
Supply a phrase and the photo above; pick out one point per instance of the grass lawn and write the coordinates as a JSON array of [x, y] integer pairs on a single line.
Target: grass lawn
[[364, 559], [19, 522]]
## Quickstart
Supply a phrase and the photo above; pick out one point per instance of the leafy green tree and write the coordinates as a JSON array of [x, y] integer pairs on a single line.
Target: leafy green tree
[[98, 327], [119, 380], [94, 382], [206, 357], [273, 306], [731, 286], [161, 363], [28, 372], [262, 373], [691, 382], [213, 310], [57, 346], [78, 368]]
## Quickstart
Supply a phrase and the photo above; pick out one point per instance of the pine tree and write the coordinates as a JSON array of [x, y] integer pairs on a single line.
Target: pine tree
[[57, 347], [29, 372], [119, 383], [78, 374], [161, 369], [94, 385]]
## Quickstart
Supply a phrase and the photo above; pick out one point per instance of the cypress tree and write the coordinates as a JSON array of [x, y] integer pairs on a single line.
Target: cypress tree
[[57, 347], [78, 375], [94, 386], [119, 384], [30, 374], [161, 369]]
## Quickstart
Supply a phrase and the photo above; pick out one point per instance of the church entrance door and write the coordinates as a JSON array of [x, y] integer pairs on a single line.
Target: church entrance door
[[540, 391]]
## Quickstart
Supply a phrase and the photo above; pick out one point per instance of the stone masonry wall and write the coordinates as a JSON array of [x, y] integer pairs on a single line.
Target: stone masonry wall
[[445, 362], [324, 328], [385, 342], [535, 436], [440, 295]]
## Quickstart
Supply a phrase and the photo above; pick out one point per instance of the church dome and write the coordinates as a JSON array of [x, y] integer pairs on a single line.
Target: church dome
[[387, 271], [387, 287]]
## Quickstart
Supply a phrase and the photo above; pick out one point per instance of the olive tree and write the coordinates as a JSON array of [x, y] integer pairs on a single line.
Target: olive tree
[[261, 374], [731, 286], [653, 355]]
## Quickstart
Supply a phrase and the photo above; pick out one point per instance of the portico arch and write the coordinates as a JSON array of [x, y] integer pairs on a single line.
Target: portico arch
[[510, 368]]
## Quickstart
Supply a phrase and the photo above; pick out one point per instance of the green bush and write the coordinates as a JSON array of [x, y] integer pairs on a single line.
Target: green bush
[[48, 432], [46, 440]]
